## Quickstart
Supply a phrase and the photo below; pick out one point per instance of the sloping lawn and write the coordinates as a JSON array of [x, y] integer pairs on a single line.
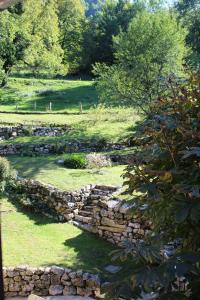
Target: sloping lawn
[[46, 170], [110, 124], [31, 94], [37, 241]]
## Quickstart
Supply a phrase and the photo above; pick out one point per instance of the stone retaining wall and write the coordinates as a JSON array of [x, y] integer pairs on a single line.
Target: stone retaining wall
[[93, 208], [113, 222], [62, 205], [64, 147], [7, 132], [22, 281]]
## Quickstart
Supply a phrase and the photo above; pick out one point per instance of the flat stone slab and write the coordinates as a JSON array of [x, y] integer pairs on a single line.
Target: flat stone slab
[[113, 269]]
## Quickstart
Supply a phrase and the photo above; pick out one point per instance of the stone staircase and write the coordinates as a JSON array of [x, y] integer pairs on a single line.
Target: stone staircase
[[84, 217]]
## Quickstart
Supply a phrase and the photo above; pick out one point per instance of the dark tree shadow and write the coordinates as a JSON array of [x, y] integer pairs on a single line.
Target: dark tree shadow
[[37, 217]]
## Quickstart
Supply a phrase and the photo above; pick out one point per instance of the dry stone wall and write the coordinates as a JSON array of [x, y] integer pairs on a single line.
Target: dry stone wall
[[94, 208], [64, 147], [113, 222], [7, 132], [62, 205], [22, 281]]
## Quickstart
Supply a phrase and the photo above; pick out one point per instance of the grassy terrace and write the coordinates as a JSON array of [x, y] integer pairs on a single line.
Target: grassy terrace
[[31, 94], [29, 238], [110, 124], [46, 170], [37, 241], [65, 96]]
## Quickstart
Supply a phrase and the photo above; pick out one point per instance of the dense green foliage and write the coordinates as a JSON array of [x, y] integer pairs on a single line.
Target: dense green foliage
[[189, 13], [151, 49], [72, 22], [66, 36], [114, 17], [12, 44], [5, 172], [76, 161], [166, 176]]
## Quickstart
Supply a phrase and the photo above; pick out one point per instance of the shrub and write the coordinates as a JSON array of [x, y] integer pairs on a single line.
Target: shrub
[[75, 162], [95, 160], [6, 173], [166, 175]]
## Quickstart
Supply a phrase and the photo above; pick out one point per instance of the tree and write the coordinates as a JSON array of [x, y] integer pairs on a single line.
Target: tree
[[152, 48], [13, 42], [40, 22], [164, 179], [115, 16], [72, 25], [189, 13]]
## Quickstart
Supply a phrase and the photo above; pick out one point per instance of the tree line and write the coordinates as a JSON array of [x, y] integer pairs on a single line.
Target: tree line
[[83, 36]]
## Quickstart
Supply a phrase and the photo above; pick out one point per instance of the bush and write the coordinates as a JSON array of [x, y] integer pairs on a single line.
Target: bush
[[95, 160], [166, 176], [5, 172], [75, 162], [5, 169]]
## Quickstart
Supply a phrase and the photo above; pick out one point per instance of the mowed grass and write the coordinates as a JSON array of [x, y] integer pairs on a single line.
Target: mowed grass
[[110, 124], [30, 94], [45, 169], [34, 95], [31, 239]]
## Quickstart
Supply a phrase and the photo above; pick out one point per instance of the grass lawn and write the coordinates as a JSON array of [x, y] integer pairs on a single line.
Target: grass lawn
[[37, 241], [65, 95], [110, 124], [46, 170], [31, 94]]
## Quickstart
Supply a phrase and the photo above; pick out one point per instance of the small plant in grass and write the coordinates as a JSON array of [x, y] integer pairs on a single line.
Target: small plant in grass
[[95, 161], [6, 173], [76, 161]]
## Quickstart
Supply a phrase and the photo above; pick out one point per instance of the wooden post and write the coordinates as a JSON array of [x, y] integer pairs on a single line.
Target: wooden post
[[50, 106], [35, 106], [81, 108]]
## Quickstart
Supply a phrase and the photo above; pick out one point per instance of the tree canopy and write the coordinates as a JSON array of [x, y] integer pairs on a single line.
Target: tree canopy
[[152, 48]]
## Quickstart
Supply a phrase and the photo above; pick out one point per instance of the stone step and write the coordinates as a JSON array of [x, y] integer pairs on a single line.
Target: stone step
[[85, 213], [87, 227], [87, 220]]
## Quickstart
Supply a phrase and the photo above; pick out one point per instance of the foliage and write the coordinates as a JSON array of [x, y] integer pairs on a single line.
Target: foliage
[[4, 169], [5, 172], [42, 30], [13, 43], [114, 17], [166, 177], [72, 25], [189, 13], [76, 161], [151, 49]]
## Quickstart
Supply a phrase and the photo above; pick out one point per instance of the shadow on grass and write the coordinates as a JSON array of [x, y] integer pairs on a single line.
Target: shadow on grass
[[67, 98], [94, 254], [38, 218]]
